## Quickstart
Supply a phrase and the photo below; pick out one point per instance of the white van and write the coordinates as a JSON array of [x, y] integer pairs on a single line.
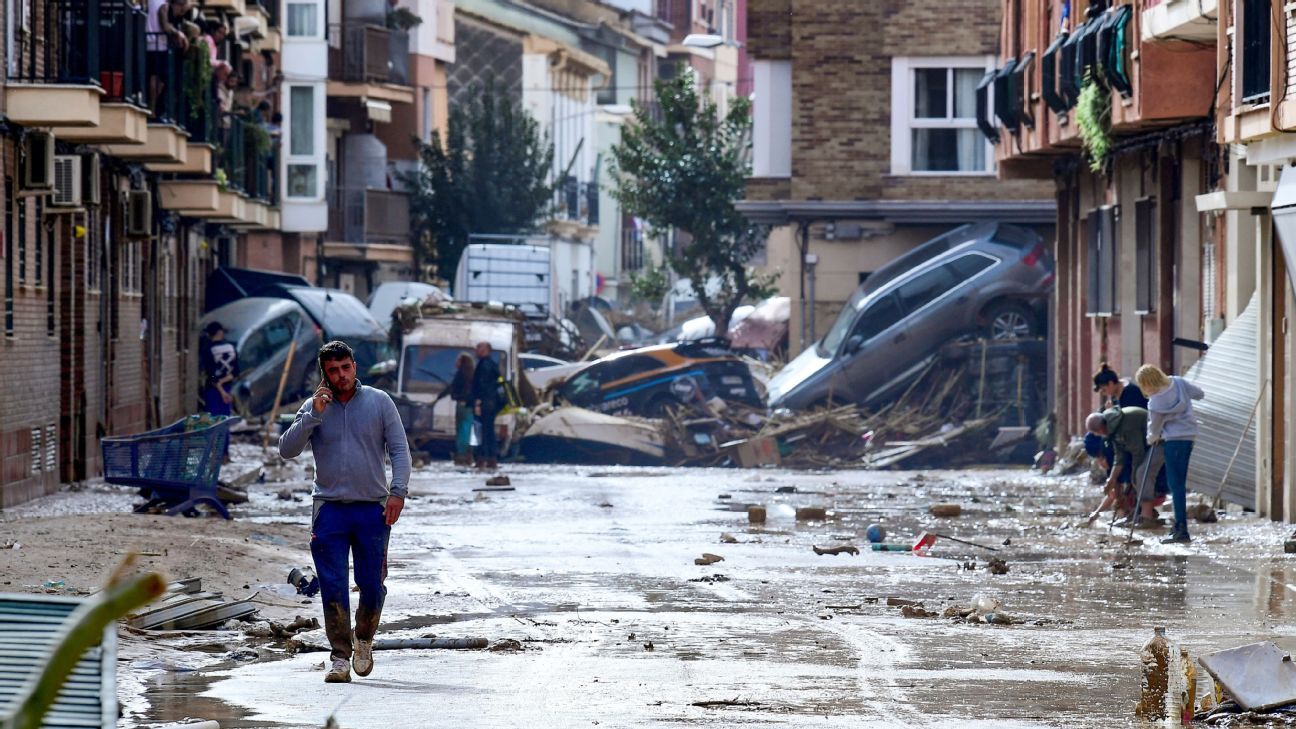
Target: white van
[[427, 367]]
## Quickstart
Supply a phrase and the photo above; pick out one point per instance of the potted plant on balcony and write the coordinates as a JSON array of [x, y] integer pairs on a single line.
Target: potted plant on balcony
[[403, 19], [197, 76], [1093, 118]]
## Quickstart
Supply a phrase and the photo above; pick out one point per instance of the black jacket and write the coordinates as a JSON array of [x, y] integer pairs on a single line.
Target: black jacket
[[486, 384]]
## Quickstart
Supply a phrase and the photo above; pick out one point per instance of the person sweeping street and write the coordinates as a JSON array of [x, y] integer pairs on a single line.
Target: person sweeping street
[[1172, 423], [1126, 428], [352, 429]]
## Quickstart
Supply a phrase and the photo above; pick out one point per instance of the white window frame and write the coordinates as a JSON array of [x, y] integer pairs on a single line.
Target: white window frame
[[902, 113], [319, 19], [316, 156]]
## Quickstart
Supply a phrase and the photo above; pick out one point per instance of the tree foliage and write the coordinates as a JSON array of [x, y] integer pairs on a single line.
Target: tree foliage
[[488, 175], [681, 165]]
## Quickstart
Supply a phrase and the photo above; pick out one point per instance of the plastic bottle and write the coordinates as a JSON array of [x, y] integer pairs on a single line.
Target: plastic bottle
[[1156, 674]]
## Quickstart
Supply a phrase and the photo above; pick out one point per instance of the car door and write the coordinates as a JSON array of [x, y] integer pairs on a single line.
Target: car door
[[870, 350], [938, 302]]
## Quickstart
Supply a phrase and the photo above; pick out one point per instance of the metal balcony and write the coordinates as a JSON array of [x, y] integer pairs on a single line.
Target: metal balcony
[[368, 53], [363, 216]]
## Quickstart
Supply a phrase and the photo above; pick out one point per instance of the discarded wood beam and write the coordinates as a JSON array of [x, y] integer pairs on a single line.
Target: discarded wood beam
[[459, 644], [846, 549], [725, 702]]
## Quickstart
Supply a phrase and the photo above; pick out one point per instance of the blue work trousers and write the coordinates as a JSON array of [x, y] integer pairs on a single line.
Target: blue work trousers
[[463, 429], [355, 529], [1177, 455]]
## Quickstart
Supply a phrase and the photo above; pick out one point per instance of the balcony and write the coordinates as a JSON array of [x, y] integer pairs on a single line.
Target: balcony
[[368, 224], [369, 60], [54, 75], [576, 207], [1180, 20], [1035, 90], [123, 103], [249, 160]]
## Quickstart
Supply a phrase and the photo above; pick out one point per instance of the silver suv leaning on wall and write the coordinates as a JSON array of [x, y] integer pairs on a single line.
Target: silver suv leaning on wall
[[988, 279]]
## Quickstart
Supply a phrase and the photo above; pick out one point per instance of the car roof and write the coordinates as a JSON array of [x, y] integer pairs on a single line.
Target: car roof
[[245, 314], [943, 244], [338, 313]]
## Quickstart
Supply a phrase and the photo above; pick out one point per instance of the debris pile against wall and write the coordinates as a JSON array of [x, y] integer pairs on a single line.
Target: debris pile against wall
[[950, 410]]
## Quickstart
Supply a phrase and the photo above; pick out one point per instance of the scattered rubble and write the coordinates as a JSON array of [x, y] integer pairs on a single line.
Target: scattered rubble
[[186, 607], [708, 559], [946, 510], [727, 538], [997, 566], [756, 514], [846, 549], [811, 513]]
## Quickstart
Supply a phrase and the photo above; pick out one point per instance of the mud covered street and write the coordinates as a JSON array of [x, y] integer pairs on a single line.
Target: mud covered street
[[592, 571]]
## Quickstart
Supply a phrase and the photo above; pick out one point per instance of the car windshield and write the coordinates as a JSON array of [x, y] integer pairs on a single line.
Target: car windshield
[[837, 334], [428, 370]]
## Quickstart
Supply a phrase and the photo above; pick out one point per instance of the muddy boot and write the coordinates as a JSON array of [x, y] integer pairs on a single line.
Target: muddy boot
[[340, 672], [362, 657]]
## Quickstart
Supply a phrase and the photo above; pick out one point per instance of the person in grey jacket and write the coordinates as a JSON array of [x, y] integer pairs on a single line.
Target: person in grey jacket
[[1171, 421], [352, 429]]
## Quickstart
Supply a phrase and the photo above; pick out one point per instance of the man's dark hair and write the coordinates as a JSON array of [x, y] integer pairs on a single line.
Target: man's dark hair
[[333, 351], [212, 328]]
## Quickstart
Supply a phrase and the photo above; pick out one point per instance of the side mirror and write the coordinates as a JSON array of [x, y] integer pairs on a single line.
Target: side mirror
[[854, 343]]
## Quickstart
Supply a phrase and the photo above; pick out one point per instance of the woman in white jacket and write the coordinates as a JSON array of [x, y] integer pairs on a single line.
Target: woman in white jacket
[[1172, 424]]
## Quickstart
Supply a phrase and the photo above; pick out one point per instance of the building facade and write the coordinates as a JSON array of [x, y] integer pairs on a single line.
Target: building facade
[[128, 172], [865, 142]]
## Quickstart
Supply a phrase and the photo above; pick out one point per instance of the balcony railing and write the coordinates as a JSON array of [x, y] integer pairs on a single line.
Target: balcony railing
[[368, 53], [249, 158], [122, 43], [576, 201], [63, 45], [369, 216]]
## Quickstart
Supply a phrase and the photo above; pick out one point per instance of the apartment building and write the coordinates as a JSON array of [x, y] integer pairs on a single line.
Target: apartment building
[[865, 141], [123, 182]]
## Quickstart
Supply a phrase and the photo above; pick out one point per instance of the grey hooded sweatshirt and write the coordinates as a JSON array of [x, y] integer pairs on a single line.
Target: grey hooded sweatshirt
[[1170, 412]]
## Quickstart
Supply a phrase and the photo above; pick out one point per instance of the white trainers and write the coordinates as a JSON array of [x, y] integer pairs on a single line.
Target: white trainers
[[362, 657], [340, 673]]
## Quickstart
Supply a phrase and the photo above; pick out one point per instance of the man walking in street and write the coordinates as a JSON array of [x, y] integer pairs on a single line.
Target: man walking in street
[[487, 404], [219, 361], [351, 429]]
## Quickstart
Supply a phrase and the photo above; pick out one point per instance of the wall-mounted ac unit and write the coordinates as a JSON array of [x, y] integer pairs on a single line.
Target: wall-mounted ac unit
[[139, 214], [90, 178], [67, 181], [38, 158]]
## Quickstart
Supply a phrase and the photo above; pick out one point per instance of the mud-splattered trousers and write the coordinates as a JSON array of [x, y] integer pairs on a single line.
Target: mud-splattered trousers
[[356, 529]]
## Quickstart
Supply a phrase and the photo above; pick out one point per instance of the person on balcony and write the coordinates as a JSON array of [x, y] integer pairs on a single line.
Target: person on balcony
[[164, 21]]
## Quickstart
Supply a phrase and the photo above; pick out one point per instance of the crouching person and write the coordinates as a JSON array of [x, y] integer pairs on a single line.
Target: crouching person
[[352, 429]]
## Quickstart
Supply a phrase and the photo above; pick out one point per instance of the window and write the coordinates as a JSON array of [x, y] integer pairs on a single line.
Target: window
[[1255, 50], [94, 255], [1102, 260], [966, 267], [880, 316], [130, 267], [583, 389], [925, 288], [303, 20], [303, 175], [772, 119], [301, 115], [1145, 244], [934, 116]]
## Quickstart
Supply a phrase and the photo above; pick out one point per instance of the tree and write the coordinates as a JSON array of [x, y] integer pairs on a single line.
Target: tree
[[683, 167], [488, 175]]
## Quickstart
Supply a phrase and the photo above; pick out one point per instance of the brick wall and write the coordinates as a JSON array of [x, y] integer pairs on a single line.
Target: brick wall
[[30, 412], [841, 53]]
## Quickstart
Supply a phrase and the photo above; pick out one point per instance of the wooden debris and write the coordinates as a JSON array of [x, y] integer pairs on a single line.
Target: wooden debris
[[707, 559], [811, 513], [756, 514]]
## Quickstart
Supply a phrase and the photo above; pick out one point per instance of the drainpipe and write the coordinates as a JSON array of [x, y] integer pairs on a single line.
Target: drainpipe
[[811, 260], [803, 230]]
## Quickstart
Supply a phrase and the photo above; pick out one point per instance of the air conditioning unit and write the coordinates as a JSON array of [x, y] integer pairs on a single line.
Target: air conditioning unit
[[67, 181], [38, 155], [90, 178], [139, 214]]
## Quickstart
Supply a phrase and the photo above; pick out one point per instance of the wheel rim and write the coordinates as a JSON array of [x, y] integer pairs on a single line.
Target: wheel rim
[[1010, 325]]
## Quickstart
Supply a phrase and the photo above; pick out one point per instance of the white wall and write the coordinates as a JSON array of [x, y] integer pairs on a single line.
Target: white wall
[[772, 119], [305, 65]]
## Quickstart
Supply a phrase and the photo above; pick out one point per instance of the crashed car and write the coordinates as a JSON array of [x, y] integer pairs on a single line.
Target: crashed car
[[648, 380]]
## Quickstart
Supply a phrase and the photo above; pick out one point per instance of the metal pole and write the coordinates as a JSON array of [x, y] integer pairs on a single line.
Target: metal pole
[[811, 261]]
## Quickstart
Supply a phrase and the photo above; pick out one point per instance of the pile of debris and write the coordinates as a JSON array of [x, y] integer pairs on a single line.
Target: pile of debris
[[185, 606], [953, 402]]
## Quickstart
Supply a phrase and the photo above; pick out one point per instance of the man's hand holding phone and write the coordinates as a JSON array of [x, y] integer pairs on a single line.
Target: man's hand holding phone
[[323, 396]]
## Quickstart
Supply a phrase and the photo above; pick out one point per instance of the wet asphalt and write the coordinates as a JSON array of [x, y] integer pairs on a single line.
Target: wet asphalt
[[591, 570]]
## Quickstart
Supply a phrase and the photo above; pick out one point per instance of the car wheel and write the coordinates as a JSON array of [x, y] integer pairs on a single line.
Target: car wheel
[[1009, 320]]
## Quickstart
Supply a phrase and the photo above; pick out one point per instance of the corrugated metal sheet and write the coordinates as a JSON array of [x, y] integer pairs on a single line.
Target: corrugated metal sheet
[[1228, 373], [29, 627]]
